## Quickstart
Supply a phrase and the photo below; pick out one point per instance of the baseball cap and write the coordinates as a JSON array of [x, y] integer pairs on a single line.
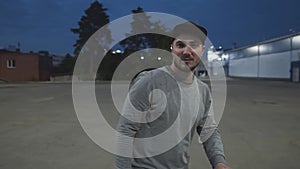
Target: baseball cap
[[190, 28]]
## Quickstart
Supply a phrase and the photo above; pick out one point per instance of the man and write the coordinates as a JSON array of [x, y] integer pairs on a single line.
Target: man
[[165, 107]]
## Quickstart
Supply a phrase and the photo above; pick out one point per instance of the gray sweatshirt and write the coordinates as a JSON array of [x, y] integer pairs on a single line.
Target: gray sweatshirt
[[161, 107]]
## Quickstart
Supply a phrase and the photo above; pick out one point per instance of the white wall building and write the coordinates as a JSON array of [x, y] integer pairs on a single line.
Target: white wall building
[[268, 59]]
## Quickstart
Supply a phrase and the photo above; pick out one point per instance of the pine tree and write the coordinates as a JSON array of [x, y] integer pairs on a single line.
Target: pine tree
[[95, 17], [142, 23], [67, 64], [137, 41]]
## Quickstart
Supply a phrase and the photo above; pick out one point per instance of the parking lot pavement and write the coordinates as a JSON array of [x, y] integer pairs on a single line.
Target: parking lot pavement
[[39, 127]]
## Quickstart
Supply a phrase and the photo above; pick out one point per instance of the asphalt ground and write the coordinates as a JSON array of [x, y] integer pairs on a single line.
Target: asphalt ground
[[39, 127]]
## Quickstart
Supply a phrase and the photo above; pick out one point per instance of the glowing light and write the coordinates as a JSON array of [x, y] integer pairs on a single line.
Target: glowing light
[[296, 39], [118, 51], [253, 48]]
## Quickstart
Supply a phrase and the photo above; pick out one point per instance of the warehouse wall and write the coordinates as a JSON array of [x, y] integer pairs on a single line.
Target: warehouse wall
[[275, 65], [270, 59], [243, 67]]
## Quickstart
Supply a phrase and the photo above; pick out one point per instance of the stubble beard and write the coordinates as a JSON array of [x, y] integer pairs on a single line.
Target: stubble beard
[[182, 66]]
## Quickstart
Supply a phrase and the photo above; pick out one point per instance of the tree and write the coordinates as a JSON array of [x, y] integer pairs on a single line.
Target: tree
[[95, 17], [142, 23], [137, 41], [159, 40], [66, 66]]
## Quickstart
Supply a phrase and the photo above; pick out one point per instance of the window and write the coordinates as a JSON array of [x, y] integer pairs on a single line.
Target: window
[[11, 63]]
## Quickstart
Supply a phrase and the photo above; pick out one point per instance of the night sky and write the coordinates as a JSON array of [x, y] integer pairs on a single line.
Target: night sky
[[45, 25]]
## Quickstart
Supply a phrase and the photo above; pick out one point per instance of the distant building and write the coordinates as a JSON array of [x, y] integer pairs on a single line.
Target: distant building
[[57, 59], [268, 59], [17, 66]]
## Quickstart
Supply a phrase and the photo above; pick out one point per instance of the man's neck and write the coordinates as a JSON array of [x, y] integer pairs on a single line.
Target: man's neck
[[186, 77]]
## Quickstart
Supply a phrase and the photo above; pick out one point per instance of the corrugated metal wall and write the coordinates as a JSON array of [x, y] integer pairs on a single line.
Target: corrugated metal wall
[[271, 59]]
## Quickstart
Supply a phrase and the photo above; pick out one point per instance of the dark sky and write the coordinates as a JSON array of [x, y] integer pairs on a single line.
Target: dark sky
[[45, 25]]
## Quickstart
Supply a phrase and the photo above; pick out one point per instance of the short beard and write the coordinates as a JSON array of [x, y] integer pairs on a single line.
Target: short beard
[[183, 67]]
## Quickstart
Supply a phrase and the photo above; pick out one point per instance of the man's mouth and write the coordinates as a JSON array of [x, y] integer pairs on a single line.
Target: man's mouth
[[187, 59]]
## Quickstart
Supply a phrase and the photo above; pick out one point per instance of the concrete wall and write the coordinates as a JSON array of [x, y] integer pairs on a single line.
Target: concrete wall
[[243, 67], [270, 59], [275, 65], [296, 55]]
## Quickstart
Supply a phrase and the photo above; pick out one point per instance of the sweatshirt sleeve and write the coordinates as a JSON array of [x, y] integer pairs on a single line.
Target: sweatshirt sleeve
[[124, 144], [128, 125], [213, 147], [210, 135]]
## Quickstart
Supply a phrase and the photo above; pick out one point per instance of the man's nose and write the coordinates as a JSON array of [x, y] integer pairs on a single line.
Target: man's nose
[[187, 50]]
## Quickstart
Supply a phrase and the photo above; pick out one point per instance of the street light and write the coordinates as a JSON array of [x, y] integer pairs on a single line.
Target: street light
[[159, 58], [118, 51]]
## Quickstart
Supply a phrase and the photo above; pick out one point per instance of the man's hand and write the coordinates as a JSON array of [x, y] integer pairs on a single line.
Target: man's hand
[[221, 166]]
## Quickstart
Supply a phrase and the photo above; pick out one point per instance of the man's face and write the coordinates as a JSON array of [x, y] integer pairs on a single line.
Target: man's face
[[186, 51]]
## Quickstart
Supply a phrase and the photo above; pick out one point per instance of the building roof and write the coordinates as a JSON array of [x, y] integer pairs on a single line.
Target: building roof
[[264, 42]]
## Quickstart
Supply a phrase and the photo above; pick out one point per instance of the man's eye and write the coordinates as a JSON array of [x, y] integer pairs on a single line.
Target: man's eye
[[180, 44], [194, 45]]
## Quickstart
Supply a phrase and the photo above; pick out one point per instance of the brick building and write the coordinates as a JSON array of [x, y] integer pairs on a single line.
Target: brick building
[[17, 66]]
